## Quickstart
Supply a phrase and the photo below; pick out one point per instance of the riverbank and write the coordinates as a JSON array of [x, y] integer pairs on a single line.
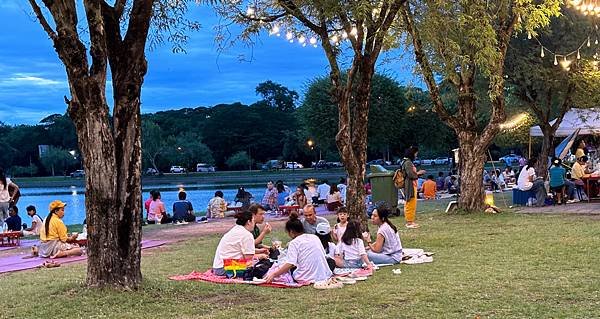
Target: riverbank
[[212, 179]]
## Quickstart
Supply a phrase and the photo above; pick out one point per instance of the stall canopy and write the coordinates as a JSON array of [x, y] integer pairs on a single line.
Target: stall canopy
[[587, 120]]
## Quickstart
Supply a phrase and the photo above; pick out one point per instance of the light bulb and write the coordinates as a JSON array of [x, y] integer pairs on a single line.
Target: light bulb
[[289, 35], [596, 42], [565, 63], [588, 42], [313, 41], [542, 52], [578, 55], [275, 29], [250, 11], [555, 61], [529, 35], [302, 39]]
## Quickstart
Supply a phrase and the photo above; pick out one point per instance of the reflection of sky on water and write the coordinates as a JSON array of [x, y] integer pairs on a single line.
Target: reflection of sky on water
[[75, 198]]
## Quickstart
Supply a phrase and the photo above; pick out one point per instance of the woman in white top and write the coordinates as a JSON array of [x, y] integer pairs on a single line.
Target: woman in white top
[[237, 243], [387, 248], [350, 252], [305, 252], [528, 181], [6, 200]]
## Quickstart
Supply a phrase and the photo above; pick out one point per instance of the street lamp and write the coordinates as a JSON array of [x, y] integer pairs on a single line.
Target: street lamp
[[311, 144]]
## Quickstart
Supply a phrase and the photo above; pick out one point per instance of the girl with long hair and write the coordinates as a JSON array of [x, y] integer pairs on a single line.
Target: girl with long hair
[[387, 248]]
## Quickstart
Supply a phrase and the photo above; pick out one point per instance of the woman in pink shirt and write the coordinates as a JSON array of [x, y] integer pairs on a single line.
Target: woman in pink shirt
[[156, 209]]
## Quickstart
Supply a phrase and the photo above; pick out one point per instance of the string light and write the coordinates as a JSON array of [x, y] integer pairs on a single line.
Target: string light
[[588, 42], [514, 122], [302, 39], [542, 52], [578, 55], [555, 61], [250, 12], [565, 63], [587, 7], [289, 35], [529, 35]]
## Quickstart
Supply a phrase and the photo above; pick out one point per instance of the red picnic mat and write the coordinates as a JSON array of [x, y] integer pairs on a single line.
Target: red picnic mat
[[208, 276]]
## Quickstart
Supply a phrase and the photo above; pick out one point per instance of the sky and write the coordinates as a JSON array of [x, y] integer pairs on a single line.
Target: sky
[[33, 80]]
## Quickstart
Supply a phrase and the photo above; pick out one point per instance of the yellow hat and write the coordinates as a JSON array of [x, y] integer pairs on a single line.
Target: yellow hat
[[56, 204]]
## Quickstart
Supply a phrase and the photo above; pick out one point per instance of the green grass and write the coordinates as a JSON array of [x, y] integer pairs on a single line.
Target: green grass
[[495, 266]]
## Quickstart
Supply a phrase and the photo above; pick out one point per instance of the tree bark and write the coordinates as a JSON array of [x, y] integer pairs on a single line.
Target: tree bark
[[547, 150], [111, 151], [471, 165]]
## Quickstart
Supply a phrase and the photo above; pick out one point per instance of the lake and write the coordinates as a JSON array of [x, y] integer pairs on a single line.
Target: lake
[[198, 194]]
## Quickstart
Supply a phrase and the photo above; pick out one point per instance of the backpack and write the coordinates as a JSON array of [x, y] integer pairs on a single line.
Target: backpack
[[399, 177]]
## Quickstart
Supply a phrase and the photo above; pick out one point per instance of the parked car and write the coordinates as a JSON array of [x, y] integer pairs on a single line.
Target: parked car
[[151, 171], [272, 164], [425, 162], [202, 167], [177, 169], [335, 164], [293, 165], [441, 161], [321, 164], [78, 173], [510, 159]]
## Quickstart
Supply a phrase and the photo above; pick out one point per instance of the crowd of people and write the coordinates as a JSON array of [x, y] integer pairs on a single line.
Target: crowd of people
[[315, 248]]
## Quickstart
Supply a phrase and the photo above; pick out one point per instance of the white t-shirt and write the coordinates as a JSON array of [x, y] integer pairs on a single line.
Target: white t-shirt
[[236, 243], [323, 191], [351, 252], [523, 182], [38, 224], [307, 254], [339, 231], [391, 245], [4, 195]]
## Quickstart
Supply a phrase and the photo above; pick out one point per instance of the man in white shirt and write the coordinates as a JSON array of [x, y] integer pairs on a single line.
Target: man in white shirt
[[323, 190]]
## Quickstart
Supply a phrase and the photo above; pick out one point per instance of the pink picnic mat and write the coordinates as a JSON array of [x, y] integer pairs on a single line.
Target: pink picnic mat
[[208, 276], [17, 263]]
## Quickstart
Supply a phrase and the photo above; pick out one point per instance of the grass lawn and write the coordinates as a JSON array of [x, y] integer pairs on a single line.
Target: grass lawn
[[494, 266]]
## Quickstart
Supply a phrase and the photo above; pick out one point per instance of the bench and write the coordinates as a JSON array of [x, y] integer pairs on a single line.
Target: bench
[[521, 197]]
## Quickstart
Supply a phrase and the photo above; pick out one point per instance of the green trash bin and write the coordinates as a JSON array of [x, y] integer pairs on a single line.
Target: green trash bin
[[382, 186]]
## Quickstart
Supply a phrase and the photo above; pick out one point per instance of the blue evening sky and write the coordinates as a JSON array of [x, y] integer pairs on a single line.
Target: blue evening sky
[[33, 80]]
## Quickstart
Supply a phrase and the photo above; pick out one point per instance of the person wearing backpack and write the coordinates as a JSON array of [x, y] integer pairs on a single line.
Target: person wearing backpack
[[411, 175]]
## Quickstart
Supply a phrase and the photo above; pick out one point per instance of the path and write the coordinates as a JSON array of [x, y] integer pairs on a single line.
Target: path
[[581, 208]]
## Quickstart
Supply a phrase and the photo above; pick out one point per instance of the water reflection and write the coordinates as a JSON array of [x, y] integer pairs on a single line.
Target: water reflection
[[198, 194]]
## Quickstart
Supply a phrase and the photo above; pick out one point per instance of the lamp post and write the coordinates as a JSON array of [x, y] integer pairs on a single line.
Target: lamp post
[[311, 144]]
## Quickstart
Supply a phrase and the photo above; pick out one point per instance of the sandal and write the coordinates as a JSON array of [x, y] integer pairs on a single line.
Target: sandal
[[412, 226], [330, 283], [49, 264]]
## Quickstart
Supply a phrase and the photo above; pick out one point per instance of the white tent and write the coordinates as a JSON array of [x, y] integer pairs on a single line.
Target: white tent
[[588, 120]]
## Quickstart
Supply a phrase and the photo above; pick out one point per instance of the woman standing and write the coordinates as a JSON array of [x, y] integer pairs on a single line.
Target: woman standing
[[54, 242], [6, 199], [411, 175]]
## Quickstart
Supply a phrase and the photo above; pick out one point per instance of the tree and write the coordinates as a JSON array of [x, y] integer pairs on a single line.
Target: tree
[[153, 142], [548, 90], [239, 160], [388, 109], [365, 25], [277, 96], [110, 145], [57, 159], [463, 42]]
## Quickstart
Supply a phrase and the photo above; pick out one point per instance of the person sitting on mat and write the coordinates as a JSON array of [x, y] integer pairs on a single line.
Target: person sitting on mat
[[54, 242]]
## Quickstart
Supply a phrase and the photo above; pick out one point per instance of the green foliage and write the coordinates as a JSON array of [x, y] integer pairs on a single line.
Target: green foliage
[[392, 126], [277, 96], [29, 170], [57, 159], [239, 161]]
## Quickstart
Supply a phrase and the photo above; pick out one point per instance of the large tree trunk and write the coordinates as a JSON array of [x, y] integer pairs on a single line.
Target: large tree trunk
[[471, 165], [547, 150], [111, 151], [351, 139]]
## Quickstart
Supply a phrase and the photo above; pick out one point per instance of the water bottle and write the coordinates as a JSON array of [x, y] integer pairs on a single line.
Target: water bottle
[[4, 227]]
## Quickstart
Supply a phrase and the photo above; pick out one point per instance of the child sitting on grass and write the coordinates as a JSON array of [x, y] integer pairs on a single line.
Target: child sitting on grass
[[340, 227], [350, 252]]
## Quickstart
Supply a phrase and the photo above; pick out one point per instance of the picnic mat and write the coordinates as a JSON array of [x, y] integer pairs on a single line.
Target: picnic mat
[[24, 243], [208, 276], [17, 263]]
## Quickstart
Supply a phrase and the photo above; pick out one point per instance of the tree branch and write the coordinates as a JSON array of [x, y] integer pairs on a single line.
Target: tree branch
[[423, 61], [42, 19], [119, 8]]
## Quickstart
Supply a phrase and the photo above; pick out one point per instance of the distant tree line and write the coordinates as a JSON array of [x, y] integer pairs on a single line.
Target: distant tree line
[[238, 136]]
